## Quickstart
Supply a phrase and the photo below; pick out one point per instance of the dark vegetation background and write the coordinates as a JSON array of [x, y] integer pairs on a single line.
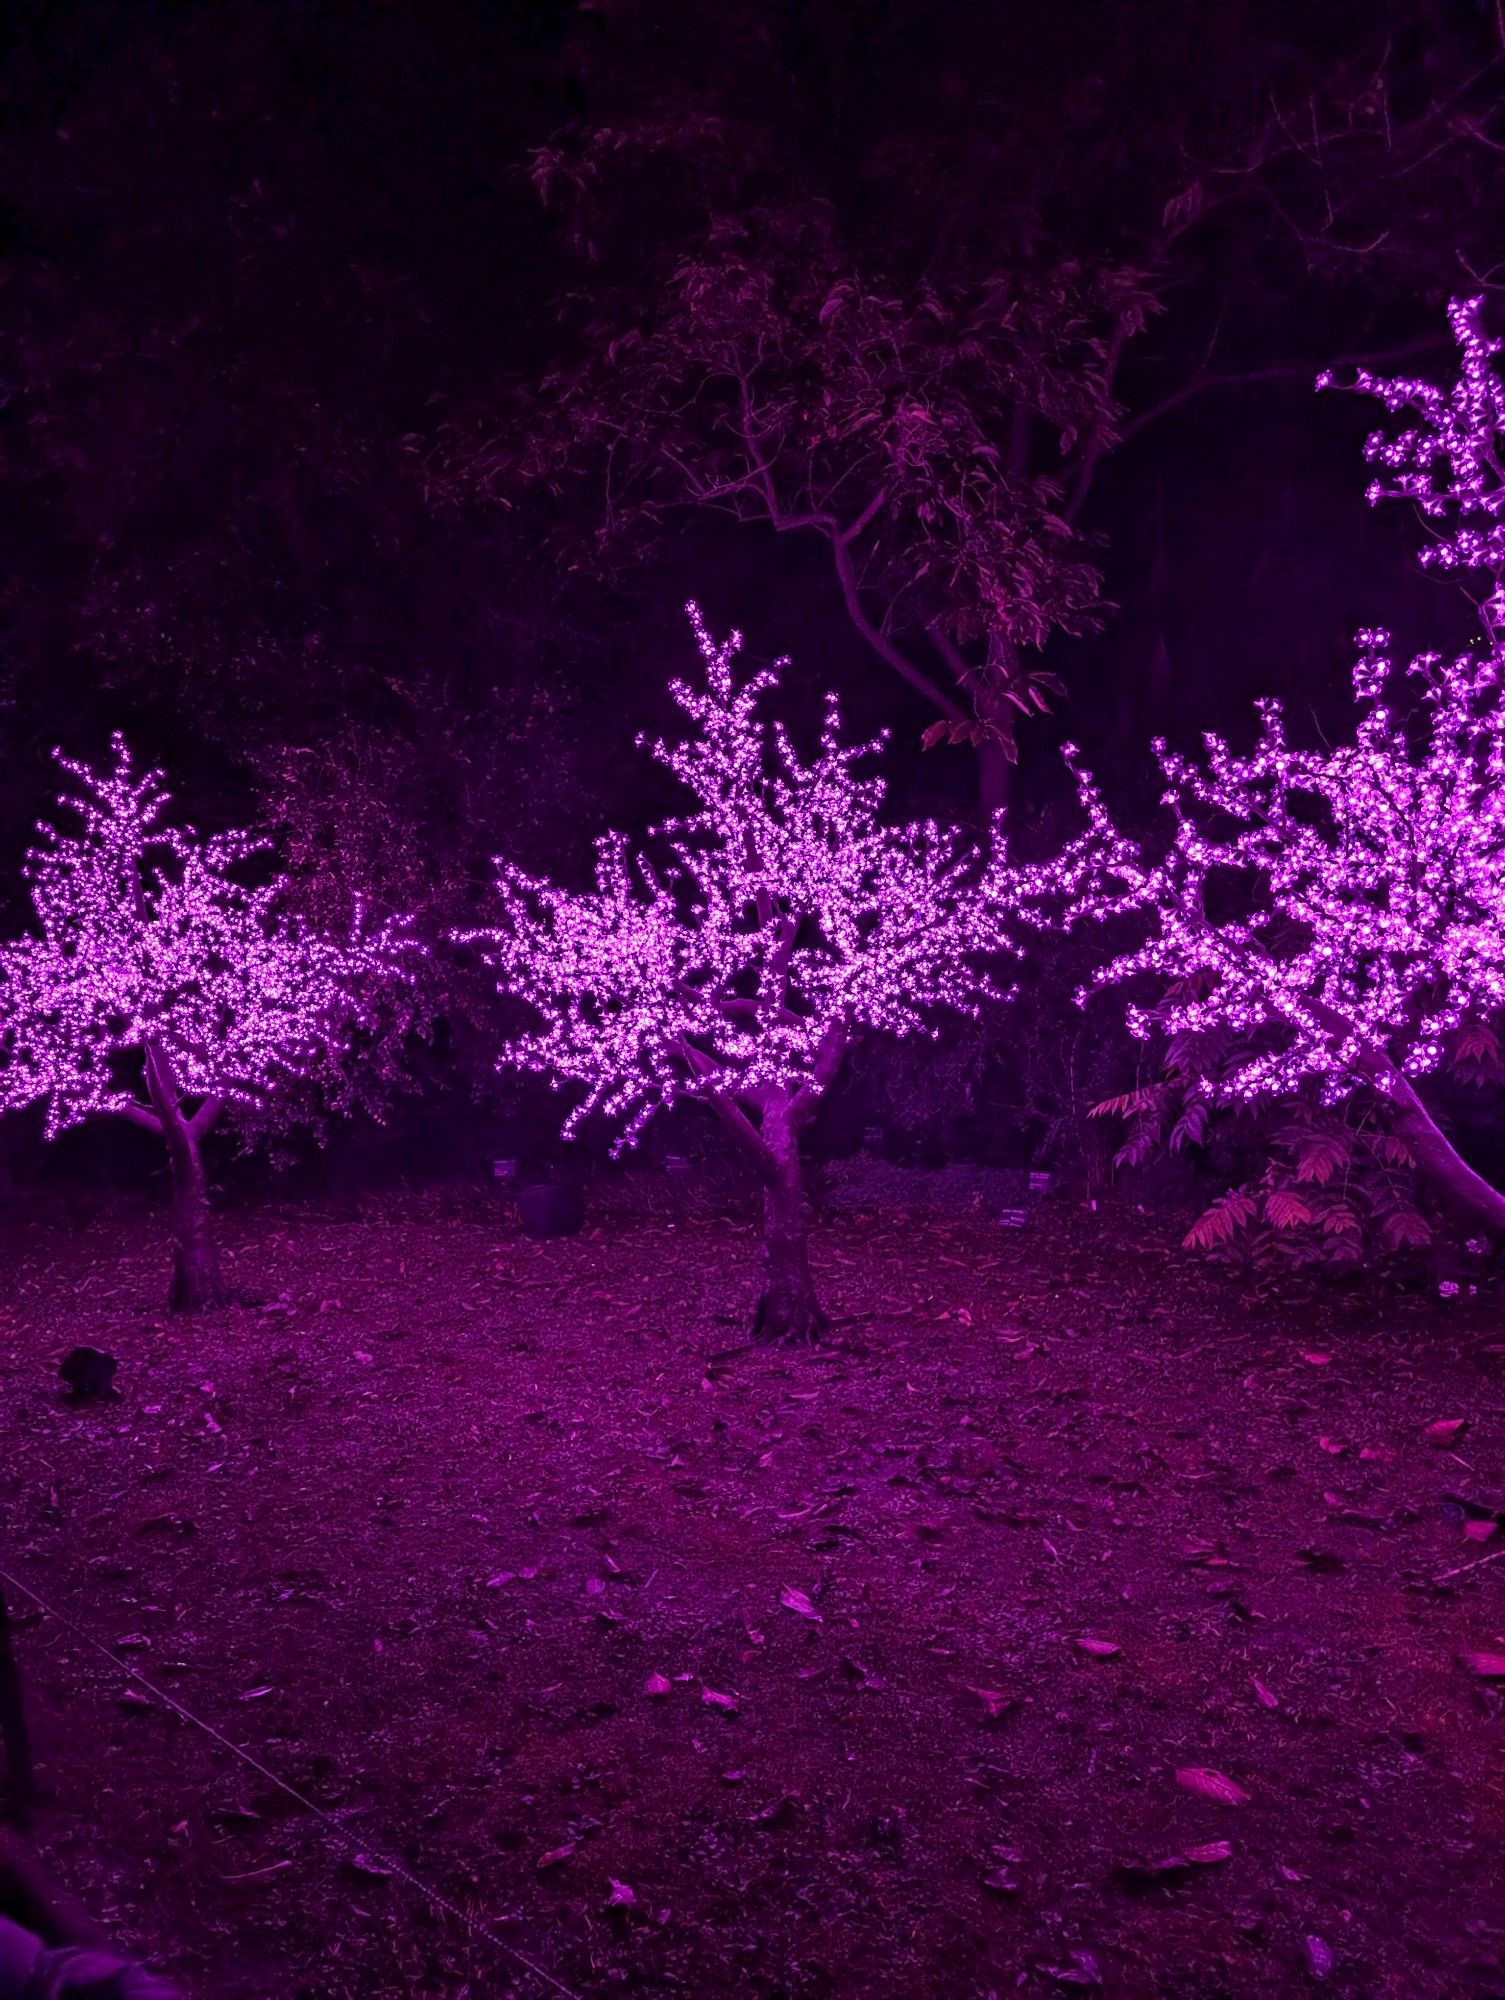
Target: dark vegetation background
[[277, 277]]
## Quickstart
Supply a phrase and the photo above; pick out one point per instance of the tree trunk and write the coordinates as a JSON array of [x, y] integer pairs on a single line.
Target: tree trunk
[[1438, 1159], [789, 1308], [197, 1285]]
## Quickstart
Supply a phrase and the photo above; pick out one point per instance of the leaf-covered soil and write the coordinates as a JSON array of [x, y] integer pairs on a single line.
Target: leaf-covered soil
[[683, 1667]]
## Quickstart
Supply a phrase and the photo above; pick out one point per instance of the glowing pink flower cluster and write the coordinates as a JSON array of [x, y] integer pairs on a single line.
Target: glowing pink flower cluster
[[767, 924], [1342, 910], [147, 932], [1450, 463]]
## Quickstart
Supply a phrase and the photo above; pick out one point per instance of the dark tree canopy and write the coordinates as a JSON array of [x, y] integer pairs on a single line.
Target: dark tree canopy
[[321, 322], [904, 291], [923, 411]]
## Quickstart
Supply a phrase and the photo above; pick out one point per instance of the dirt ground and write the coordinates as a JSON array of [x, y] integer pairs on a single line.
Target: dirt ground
[[681, 1667]]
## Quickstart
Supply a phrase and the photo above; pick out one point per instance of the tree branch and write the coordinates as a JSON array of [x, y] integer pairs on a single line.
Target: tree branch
[[1286, 371], [1021, 427], [866, 518], [1097, 444], [881, 644], [778, 962], [823, 1073], [139, 1114], [1283, 372], [705, 1071], [763, 474], [207, 1115], [841, 541], [747, 1135], [1434, 1152], [948, 649]]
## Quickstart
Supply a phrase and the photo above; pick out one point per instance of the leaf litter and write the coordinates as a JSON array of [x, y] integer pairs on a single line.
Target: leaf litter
[[503, 1600]]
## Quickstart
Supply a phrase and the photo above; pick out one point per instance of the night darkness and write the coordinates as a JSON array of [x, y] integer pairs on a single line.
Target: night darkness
[[752, 955]]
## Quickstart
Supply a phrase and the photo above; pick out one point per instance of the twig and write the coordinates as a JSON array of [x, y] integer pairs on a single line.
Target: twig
[[1464, 1568]]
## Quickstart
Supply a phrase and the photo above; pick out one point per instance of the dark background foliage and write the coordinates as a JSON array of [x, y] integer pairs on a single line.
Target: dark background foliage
[[344, 454]]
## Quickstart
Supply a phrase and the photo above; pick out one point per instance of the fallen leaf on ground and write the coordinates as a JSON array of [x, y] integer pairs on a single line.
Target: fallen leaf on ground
[[1207, 1855], [1479, 1531], [1319, 1958], [1491, 1666], [621, 1897], [1444, 1430], [1136, 1874], [1209, 1784], [555, 1855], [1322, 1561], [783, 1813], [167, 1524], [1263, 1695], [657, 1685], [994, 1701], [1083, 1970], [724, 1701], [865, 1678], [1100, 1649], [796, 1600]]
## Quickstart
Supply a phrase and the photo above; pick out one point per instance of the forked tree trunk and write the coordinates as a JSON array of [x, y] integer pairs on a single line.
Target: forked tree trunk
[[197, 1285], [789, 1308]]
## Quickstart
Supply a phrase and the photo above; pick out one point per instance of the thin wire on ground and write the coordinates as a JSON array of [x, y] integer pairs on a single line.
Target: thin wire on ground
[[388, 1861]]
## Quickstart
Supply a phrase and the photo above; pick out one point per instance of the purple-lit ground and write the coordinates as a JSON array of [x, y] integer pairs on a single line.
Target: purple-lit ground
[[422, 1539]]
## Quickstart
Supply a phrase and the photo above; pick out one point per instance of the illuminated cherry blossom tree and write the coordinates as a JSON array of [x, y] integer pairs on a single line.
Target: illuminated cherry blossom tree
[[165, 979], [735, 960], [1342, 910]]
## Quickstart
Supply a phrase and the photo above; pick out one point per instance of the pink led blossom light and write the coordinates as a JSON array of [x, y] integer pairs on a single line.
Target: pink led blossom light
[[1449, 463], [733, 962], [148, 935], [1373, 924]]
